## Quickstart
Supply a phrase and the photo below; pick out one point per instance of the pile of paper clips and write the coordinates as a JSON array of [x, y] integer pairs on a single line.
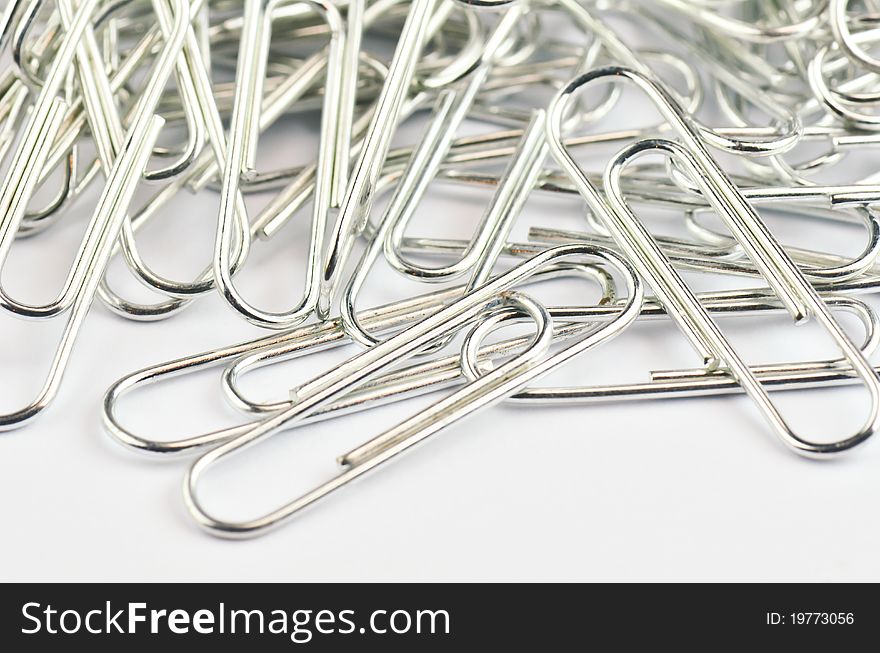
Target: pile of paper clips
[[89, 86]]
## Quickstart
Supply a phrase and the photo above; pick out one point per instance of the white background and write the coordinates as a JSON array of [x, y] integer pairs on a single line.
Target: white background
[[686, 489]]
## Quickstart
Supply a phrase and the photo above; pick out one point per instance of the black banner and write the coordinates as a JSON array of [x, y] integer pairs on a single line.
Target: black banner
[[421, 617]]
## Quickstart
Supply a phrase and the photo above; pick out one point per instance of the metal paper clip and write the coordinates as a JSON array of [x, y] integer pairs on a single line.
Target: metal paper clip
[[242, 137], [112, 206], [486, 390], [795, 292]]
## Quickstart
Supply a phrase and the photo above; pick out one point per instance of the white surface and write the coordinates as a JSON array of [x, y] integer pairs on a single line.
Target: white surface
[[694, 489]]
